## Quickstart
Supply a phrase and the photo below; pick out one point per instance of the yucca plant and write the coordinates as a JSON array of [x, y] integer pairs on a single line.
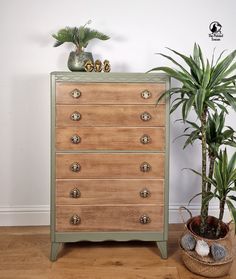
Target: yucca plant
[[217, 135], [205, 86], [79, 36], [224, 181]]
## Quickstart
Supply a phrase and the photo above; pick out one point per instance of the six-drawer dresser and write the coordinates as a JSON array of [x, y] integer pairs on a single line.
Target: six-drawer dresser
[[109, 158]]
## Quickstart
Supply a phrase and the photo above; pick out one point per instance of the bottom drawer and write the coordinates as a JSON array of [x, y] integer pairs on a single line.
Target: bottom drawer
[[109, 218]]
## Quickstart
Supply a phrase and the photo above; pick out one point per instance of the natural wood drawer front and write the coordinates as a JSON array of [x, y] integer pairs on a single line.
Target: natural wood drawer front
[[109, 115], [111, 165], [120, 191], [110, 138], [109, 218], [108, 93]]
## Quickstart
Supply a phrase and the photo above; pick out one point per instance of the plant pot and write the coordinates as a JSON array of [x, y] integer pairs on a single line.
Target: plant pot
[[76, 61], [194, 223], [206, 265], [211, 270]]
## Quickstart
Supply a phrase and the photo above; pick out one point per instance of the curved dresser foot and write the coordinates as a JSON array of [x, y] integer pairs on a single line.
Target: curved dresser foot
[[162, 246], [54, 250]]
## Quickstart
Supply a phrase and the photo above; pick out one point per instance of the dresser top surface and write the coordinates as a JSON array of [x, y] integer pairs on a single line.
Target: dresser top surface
[[109, 77]]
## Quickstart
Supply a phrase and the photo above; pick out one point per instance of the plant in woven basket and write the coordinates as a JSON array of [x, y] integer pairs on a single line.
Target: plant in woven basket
[[217, 135], [224, 182], [80, 38], [206, 87]]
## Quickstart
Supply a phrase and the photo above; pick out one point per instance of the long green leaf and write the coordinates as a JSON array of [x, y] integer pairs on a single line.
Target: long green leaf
[[232, 211], [187, 108], [191, 63], [218, 72], [175, 74], [201, 58], [181, 67], [231, 100], [206, 76], [194, 171], [197, 195]]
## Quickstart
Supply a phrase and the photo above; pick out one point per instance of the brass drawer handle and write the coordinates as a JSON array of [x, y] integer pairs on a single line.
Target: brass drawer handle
[[75, 139], [75, 220], [75, 193], [145, 167], [75, 167], [75, 116], [75, 93], [146, 94], [145, 219], [145, 139], [145, 116], [145, 193]]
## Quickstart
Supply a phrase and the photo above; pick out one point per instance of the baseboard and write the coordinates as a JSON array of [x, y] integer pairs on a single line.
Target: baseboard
[[175, 216], [40, 215], [25, 215]]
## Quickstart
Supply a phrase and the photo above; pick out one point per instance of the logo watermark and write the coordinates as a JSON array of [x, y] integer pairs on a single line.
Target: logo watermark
[[216, 33]]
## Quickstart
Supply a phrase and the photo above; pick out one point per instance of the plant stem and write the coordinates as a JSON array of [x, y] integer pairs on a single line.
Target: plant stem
[[78, 49], [204, 161], [210, 175], [221, 215]]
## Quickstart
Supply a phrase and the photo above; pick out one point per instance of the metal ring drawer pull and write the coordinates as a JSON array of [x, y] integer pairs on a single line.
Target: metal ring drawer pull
[[75, 139], [145, 139], [145, 193], [75, 167], [75, 193], [146, 94], [145, 116], [75, 220], [144, 219], [145, 167], [75, 93], [75, 116]]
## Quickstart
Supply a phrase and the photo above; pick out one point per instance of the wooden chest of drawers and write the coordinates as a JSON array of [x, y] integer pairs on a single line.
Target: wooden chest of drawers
[[109, 158]]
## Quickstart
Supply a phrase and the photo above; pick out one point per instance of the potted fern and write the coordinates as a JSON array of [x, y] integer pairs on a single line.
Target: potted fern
[[80, 37], [207, 88]]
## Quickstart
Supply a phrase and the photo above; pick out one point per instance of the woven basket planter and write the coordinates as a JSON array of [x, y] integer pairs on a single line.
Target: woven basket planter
[[203, 268], [205, 265]]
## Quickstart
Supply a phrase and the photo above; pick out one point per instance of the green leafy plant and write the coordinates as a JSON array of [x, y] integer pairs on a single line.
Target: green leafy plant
[[224, 181], [79, 36], [217, 135], [205, 87]]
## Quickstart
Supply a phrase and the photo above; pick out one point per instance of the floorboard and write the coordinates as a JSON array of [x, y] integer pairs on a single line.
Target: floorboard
[[24, 254]]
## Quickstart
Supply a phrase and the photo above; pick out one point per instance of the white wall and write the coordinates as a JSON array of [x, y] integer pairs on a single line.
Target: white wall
[[138, 29]]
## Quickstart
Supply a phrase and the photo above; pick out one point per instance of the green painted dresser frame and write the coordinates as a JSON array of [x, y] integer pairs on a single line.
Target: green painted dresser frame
[[58, 238]]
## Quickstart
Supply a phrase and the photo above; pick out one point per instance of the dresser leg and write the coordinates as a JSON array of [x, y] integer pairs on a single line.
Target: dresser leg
[[162, 245], [54, 250]]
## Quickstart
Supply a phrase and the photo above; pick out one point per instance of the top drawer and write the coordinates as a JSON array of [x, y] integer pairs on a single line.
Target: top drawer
[[108, 93]]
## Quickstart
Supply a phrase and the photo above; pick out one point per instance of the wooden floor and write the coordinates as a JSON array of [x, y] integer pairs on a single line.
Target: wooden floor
[[24, 253]]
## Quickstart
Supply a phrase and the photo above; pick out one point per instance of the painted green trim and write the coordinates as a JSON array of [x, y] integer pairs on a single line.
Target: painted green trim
[[105, 236], [54, 251], [108, 151], [53, 158], [109, 77], [167, 164], [162, 246]]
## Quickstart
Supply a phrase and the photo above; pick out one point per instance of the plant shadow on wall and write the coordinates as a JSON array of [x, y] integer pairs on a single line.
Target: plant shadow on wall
[[208, 88], [80, 37]]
